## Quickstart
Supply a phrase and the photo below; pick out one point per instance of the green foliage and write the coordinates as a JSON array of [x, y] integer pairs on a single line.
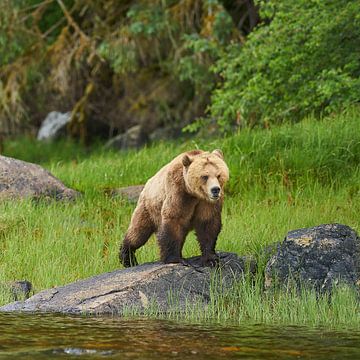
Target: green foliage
[[147, 20], [305, 61], [122, 57], [161, 62], [139, 33], [13, 39], [52, 16], [19, 29], [193, 66]]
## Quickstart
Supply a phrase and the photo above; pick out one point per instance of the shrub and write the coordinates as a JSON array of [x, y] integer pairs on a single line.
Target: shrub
[[306, 60]]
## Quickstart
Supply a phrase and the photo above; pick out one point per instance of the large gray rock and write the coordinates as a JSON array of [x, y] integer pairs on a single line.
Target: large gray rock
[[318, 257], [165, 133], [54, 125], [20, 179], [163, 287], [130, 193], [17, 290], [133, 138]]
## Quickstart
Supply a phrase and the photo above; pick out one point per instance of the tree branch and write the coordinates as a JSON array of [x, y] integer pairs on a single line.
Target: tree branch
[[72, 22]]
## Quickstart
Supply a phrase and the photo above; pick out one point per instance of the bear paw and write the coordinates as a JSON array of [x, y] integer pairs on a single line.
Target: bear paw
[[210, 260], [176, 260]]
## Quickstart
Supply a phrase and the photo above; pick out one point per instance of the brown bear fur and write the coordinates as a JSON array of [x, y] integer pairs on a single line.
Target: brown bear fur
[[186, 194]]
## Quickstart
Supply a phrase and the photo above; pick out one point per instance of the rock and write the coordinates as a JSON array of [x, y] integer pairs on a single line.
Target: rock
[[165, 133], [20, 179], [131, 193], [319, 257], [54, 125], [19, 290], [166, 287], [133, 138]]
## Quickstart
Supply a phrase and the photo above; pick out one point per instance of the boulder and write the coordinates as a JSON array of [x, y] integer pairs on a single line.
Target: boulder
[[130, 193], [18, 290], [164, 287], [20, 179], [318, 257], [165, 133], [54, 125], [133, 138]]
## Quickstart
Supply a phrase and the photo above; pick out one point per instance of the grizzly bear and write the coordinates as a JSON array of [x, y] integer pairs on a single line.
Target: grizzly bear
[[186, 194]]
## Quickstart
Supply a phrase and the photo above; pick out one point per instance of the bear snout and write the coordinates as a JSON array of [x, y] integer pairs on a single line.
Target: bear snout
[[215, 192]]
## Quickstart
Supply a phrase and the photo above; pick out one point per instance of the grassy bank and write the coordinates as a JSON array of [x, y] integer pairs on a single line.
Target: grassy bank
[[283, 178]]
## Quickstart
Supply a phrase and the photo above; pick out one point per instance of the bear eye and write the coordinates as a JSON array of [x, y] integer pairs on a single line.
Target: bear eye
[[204, 177], [219, 176]]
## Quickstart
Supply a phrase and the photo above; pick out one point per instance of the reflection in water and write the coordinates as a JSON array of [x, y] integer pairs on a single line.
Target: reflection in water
[[58, 337]]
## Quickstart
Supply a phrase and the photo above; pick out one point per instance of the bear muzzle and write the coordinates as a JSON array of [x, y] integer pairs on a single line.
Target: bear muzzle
[[215, 193]]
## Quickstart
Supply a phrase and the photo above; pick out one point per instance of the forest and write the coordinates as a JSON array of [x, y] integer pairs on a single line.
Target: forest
[[216, 65]]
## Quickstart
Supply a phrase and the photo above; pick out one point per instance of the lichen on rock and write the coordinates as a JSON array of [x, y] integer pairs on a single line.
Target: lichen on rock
[[318, 257]]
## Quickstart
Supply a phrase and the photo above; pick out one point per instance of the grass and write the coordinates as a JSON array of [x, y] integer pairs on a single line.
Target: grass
[[284, 178], [247, 302]]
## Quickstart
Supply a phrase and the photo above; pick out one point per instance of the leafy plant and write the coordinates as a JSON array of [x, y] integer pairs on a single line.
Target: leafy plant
[[305, 61]]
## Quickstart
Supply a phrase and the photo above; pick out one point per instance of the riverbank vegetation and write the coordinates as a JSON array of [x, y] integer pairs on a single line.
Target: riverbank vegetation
[[282, 177], [175, 63]]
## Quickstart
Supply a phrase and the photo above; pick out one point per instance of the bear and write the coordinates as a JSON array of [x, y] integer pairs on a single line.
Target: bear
[[186, 194]]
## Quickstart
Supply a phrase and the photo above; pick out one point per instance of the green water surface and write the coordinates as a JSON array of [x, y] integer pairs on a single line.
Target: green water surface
[[59, 337]]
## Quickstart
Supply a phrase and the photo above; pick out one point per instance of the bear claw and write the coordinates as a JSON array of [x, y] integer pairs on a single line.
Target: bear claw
[[212, 261]]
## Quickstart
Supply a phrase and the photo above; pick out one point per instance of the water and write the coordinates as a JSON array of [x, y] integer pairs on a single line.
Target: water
[[59, 337]]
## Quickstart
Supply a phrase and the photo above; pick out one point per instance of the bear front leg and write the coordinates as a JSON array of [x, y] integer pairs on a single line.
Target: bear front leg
[[207, 233], [171, 237]]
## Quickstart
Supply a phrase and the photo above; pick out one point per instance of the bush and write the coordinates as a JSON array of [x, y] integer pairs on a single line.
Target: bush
[[306, 60]]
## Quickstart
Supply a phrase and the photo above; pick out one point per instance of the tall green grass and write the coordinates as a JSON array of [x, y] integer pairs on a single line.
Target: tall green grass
[[282, 178], [247, 302]]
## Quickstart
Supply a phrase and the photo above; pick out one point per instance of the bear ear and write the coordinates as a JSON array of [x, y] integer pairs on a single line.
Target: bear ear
[[218, 153], [186, 160]]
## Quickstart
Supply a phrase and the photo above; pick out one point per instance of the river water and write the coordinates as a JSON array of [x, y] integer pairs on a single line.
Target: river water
[[59, 337]]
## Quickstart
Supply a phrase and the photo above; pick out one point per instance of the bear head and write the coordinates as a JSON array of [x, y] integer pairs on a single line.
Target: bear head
[[205, 175]]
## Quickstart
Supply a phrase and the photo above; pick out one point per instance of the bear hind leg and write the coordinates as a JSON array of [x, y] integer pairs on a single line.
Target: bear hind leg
[[127, 253], [140, 229]]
